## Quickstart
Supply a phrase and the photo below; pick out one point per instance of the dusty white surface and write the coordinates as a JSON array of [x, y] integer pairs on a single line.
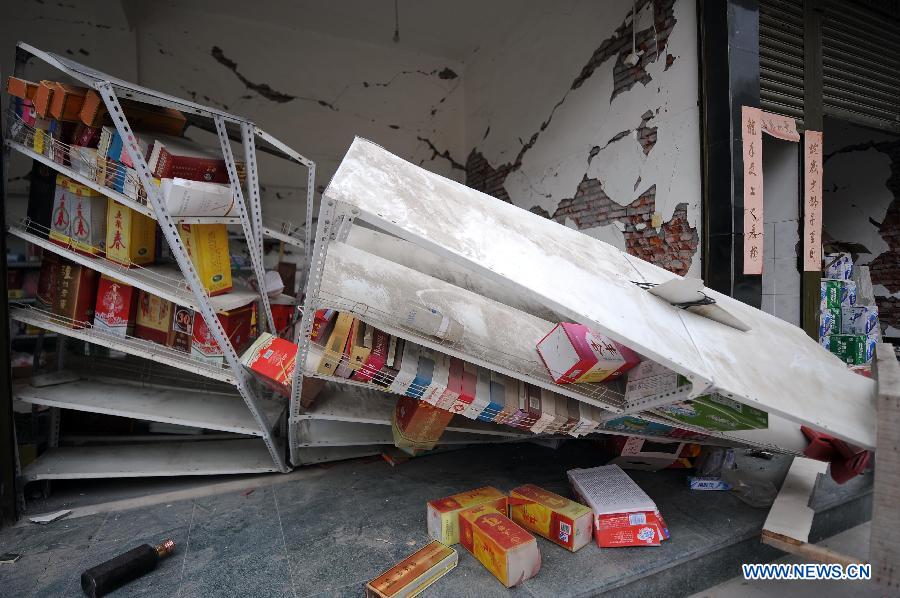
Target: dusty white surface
[[790, 514]]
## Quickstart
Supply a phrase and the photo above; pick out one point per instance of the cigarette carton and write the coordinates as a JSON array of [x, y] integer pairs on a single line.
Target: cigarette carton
[[237, 325], [573, 353], [78, 219], [838, 266], [501, 545], [207, 245], [858, 319], [412, 575], [116, 307], [707, 483], [334, 347], [344, 367], [853, 349], [443, 513], [461, 400], [836, 294], [540, 414], [272, 360], [715, 412], [469, 392], [184, 197], [417, 426], [375, 360], [650, 378], [560, 520], [623, 513], [424, 365], [130, 236], [76, 294], [409, 364]]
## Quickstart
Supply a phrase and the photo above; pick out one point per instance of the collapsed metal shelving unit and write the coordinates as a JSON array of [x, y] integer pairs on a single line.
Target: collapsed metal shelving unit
[[163, 385], [392, 235]]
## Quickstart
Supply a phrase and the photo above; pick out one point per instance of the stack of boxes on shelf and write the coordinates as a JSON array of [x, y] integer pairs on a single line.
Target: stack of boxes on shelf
[[847, 327], [68, 124]]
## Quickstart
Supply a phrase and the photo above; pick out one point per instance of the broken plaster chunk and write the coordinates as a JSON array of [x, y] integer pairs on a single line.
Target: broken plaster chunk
[[656, 220]]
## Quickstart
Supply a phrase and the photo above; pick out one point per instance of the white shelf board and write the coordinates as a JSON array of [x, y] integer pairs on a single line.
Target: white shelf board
[[112, 193], [270, 231], [131, 345], [211, 411], [161, 280], [323, 432], [217, 457], [353, 404]]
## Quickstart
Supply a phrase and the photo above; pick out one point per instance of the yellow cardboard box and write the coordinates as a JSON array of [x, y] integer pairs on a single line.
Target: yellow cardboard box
[[443, 514], [207, 244], [504, 548], [560, 520], [130, 236]]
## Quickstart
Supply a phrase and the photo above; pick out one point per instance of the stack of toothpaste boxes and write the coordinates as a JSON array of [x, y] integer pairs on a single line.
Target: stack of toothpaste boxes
[[846, 328]]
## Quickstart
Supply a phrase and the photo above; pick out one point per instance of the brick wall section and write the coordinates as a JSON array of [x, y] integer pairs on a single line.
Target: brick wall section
[[885, 268], [674, 243], [671, 246]]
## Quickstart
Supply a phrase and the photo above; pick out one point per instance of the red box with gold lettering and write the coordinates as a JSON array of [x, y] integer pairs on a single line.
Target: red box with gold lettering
[[502, 546]]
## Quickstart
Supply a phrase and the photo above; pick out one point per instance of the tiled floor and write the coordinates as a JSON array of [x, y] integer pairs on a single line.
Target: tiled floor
[[327, 534]]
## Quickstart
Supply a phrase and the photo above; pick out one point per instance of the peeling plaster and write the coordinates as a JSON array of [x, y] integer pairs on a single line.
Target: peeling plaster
[[582, 137]]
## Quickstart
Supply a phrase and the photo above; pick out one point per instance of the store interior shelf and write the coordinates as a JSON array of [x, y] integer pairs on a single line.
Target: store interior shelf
[[350, 404], [323, 432], [493, 335], [90, 181], [211, 411], [285, 231], [127, 344], [162, 280], [218, 457]]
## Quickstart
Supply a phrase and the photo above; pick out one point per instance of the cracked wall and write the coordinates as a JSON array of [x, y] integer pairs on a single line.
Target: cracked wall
[[862, 206], [313, 91], [559, 124]]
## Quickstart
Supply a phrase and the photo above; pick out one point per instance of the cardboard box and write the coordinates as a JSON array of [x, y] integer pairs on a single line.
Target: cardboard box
[[838, 266], [285, 313], [185, 197], [66, 101], [79, 217], [237, 324], [858, 319], [76, 294], [853, 349], [116, 307], [623, 513], [333, 352], [155, 321], [501, 545], [560, 520], [272, 360], [21, 88], [207, 244], [130, 236], [646, 455], [45, 297], [650, 378], [644, 528], [829, 322], [43, 96], [573, 353], [715, 412], [836, 294], [406, 372], [417, 426], [443, 513], [413, 574]]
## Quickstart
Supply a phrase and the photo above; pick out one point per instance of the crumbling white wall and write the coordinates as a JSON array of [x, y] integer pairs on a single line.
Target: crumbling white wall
[[559, 125]]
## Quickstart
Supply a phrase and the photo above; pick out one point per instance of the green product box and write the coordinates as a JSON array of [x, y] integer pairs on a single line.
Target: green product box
[[715, 412], [854, 349], [836, 294]]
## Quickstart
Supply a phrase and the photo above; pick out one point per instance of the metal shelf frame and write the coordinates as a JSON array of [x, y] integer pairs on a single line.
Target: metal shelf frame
[[188, 289]]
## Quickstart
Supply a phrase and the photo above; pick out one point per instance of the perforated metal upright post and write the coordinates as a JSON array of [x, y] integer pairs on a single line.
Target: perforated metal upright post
[[170, 232], [254, 244]]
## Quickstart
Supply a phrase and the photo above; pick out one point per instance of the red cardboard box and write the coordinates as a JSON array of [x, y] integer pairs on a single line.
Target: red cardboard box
[[644, 528], [272, 361], [46, 288], [417, 426], [574, 353], [116, 306], [237, 324], [156, 321]]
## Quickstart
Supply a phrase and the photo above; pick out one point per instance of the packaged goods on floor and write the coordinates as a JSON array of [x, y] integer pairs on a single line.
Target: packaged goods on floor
[[413, 574]]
